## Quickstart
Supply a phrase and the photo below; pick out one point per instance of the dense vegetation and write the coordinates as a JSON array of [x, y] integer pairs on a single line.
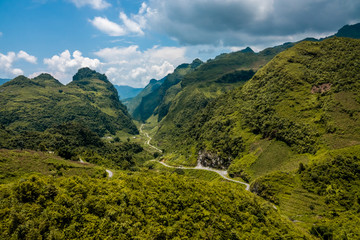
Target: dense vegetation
[[137, 206], [324, 194], [40, 103], [74, 141]]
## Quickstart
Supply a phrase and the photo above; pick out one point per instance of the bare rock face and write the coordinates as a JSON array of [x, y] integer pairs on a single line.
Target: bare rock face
[[321, 88], [208, 159]]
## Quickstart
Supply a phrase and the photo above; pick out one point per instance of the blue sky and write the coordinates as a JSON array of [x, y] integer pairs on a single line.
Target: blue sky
[[132, 41]]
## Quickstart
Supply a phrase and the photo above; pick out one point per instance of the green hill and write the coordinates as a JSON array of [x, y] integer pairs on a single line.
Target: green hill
[[42, 102]]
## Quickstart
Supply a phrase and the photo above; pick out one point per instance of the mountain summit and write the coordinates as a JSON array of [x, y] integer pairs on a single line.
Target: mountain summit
[[42, 102]]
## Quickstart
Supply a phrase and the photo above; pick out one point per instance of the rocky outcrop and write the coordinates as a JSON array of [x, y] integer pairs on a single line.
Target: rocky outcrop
[[321, 88], [208, 159]]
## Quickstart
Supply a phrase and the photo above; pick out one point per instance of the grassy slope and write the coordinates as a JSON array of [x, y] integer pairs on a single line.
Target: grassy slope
[[18, 164], [39, 103]]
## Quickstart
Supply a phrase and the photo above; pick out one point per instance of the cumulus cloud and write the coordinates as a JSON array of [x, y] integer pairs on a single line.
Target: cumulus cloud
[[7, 61], [95, 4], [131, 66], [65, 65], [133, 24], [238, 22], [27, 57]]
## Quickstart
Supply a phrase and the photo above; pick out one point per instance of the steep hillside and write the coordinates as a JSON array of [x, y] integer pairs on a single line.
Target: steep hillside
[[305, 100], [134, 102], [41, 102], [155, 101], [127, 91], [17, 164], [199, 87]]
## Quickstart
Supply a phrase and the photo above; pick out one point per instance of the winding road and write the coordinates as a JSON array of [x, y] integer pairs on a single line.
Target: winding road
[[110, 173], [222, 173], [147, 142]]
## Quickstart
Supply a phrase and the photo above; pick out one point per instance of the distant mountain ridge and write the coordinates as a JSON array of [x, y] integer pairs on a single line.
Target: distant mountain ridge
[[134, 102], [3, 80], [41, 102], [126, 92], [154, 101], [350, 31]]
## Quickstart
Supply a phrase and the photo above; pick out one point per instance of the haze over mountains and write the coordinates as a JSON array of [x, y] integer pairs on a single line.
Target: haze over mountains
[[286, 120], [2, 81], [127, 92]]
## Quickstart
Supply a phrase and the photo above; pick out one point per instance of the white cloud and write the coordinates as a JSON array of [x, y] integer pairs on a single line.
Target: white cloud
[[1, 34], [95, 4], [108, 27], [65, 65], [133, 24], [7, 61], [133, 67], [27, 57]]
